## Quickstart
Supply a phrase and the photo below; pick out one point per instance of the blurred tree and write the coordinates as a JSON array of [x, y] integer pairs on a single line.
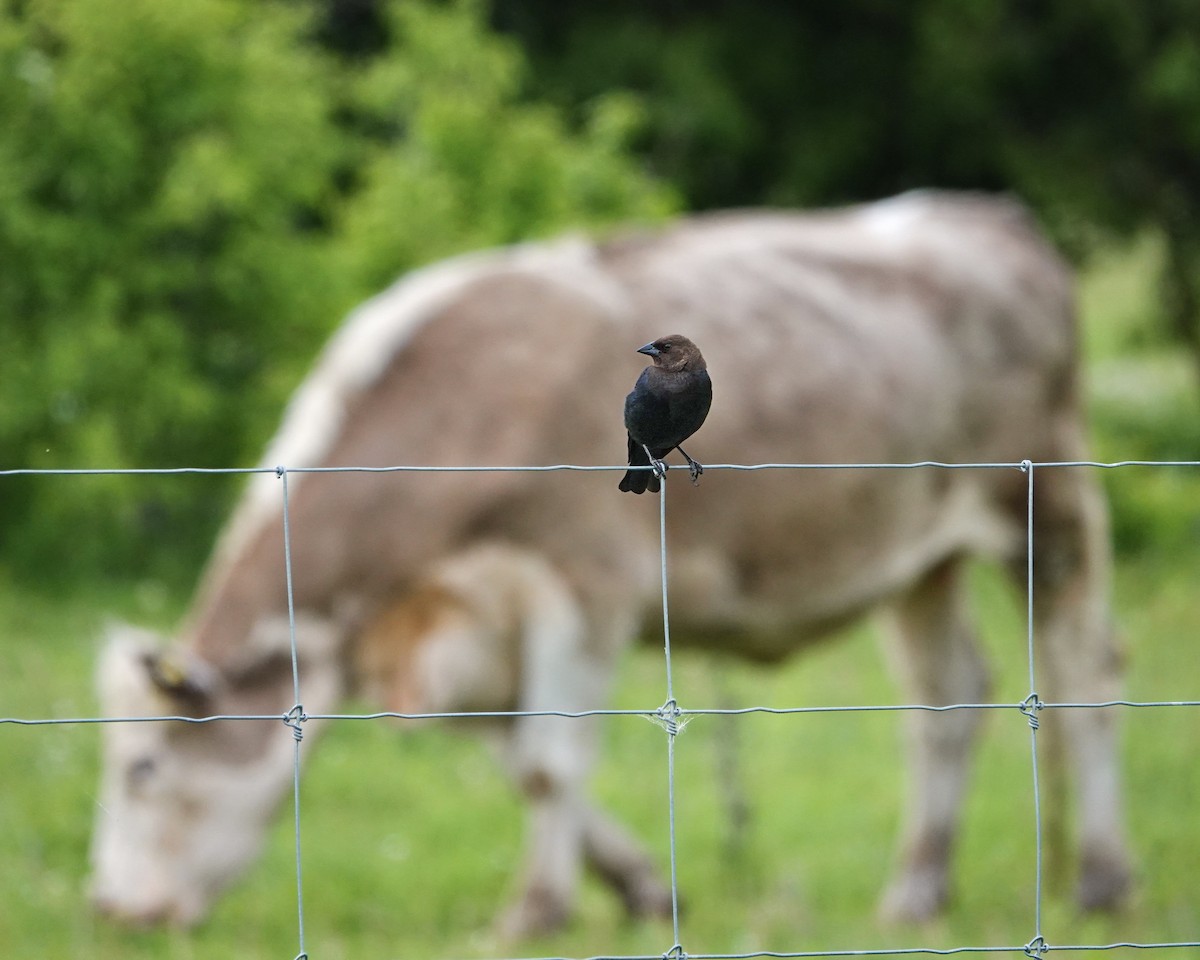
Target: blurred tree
[[191, 194], [453, 158], [1090, 109], [1100, 126], [163, 170]]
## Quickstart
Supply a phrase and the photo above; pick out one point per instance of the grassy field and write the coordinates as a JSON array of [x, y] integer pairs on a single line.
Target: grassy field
[[410, 840]]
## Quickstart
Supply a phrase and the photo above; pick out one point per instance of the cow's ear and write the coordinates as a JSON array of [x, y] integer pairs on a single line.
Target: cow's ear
[[139, 676], [179, 682]]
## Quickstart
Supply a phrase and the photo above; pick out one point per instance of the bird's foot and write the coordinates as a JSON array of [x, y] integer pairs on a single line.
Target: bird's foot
[[694, 468], [659, 468]]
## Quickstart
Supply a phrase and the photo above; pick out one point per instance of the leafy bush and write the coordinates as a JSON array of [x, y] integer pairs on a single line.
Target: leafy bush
[[160, 164], [456, 160], [190, 196]]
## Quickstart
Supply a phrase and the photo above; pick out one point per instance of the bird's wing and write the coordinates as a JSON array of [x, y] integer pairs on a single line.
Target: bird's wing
[[689, 405]]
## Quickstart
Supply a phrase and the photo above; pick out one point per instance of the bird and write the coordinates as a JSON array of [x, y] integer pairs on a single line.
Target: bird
[[666, 406]]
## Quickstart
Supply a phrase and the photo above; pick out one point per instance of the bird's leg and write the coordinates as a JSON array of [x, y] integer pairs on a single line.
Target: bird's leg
[[694, 468], [658, 466]]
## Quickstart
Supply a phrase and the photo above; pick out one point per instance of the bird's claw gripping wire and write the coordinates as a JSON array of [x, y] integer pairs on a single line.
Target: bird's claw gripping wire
[[694, 468], [658, 466]]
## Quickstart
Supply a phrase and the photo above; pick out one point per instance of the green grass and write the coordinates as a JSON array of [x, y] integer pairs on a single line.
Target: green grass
[[410, 841]]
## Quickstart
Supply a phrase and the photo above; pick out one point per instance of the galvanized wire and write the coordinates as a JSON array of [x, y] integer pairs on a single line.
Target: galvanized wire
[[669, 715], [1023, 949], [1031, 706], [575, 467], [295, 717], [669, 712], [649, 713]]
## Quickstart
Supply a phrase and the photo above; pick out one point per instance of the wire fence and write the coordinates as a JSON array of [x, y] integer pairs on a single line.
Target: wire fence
[[670, 715]]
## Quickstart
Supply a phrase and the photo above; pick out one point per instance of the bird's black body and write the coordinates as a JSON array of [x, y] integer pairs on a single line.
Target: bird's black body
[[666, 406]]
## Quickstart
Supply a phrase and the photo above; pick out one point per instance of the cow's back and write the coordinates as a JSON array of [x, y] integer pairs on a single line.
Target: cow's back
[[926, 327], [929, 327], [930, 320]]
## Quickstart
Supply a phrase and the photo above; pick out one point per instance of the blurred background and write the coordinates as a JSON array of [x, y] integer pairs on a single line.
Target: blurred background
[[193, 194]]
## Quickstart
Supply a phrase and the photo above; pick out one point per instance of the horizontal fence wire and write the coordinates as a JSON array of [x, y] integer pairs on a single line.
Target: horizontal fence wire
[[1027, 950], [649, 714], [669, 715], [580, 468]]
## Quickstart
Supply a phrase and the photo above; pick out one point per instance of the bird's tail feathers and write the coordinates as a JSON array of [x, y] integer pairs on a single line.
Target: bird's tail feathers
[[639, 481]]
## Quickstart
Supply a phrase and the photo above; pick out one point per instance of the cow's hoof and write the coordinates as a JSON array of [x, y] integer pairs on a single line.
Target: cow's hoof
[[537, 914], [914, 897], [644, 895], [1105, 881]]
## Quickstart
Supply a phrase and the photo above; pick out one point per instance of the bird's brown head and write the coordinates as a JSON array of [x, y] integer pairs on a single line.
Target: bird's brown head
[[674, 354]]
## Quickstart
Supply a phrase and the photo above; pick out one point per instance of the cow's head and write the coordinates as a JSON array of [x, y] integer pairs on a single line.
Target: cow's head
[[184, 807]]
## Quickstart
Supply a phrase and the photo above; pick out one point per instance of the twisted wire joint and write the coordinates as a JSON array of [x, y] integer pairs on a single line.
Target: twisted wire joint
[[294, 718], [667, 716], [1029, 708]]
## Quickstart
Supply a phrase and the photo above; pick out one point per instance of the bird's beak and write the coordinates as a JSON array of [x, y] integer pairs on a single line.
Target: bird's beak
[[649, 350]]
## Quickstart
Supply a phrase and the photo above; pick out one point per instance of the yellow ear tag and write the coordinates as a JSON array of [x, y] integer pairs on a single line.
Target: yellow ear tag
[[170, 674]]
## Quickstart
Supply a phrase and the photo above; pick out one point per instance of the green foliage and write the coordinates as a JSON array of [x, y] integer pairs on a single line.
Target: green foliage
[[1143, 405], [192, 194], [1142, 402], [460, 162], [159, 163], [1064, 100], [1090, 109]]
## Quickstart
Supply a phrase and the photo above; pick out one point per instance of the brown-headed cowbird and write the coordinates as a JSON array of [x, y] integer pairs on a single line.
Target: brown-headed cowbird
[[666, 406]]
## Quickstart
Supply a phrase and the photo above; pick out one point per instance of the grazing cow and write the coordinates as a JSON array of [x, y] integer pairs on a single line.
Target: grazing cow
[[931, 326]]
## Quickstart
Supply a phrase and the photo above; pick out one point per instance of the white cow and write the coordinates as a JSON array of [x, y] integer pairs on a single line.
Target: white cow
[[930, 326]]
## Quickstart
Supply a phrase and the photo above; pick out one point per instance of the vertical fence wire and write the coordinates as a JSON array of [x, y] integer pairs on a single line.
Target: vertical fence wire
[[670, 721], [295, 717], [1032, 704], [669, 715]]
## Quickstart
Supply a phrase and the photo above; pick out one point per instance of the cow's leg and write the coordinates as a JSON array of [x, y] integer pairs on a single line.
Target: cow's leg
[[1078, 660], [554, 845], [621, 862], [550, 757], [934, 652], [562, 826]]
